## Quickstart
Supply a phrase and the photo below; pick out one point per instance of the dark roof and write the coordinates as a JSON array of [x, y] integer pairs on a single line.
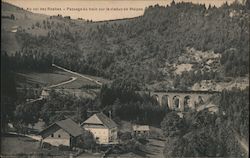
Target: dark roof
[[100, 118], [67, 125], [140, 127]]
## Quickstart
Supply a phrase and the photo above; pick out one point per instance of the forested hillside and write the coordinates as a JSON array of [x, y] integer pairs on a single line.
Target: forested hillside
[[170, 47], [202, 134], [145, 48]]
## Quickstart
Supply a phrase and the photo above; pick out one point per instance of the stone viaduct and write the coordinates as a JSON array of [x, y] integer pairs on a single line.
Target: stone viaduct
[[181, 100]]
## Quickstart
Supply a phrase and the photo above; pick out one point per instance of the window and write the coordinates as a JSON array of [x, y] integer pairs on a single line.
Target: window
[[59, 136], [52, 135]]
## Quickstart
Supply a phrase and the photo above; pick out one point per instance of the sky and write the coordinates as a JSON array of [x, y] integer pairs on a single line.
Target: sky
[[98, 10]]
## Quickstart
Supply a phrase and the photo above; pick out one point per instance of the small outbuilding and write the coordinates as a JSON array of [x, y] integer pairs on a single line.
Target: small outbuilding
[[64, 132], [141, 130]]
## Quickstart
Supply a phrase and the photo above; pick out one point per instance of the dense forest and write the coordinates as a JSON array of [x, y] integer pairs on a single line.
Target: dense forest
[[8, 92], [141, 47], [202, 134]]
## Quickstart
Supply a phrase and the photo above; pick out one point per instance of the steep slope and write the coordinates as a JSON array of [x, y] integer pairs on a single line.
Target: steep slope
[[146, 47], [13, 19]]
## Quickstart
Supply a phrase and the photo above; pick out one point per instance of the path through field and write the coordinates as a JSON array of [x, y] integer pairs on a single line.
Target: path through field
[[52, 86], [243, 143], [35, 137], [63, 83], [75, 73]]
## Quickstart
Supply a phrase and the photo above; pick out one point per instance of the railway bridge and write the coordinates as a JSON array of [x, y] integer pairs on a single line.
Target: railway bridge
[[181, 100]]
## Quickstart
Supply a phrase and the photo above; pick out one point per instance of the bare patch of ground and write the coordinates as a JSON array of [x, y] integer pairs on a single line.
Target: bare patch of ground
[[240, 82], [183, 67]]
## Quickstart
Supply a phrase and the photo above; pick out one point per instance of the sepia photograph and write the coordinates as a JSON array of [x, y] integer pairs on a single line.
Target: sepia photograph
[[125, 78]]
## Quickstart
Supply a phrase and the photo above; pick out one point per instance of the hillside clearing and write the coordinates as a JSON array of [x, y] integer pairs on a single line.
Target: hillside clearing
[[33, 79], [42, 79]]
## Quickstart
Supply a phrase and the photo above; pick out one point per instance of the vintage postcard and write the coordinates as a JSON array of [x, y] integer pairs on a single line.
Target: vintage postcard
[[124, 78]]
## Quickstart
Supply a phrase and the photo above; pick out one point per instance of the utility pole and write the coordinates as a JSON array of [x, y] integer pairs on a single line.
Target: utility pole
[[77, 113], [53, 60], [110, 114]]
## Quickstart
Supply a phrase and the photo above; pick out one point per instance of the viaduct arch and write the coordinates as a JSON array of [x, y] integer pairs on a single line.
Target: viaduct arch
[[181, 100]]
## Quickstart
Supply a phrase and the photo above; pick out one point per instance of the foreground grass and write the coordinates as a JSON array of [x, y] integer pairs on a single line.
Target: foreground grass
[[13, 145]]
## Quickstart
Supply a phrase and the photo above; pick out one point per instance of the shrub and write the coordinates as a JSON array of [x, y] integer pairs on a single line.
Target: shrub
[[23, 155], [125, 136], [63, 148], [143, 141], [86, 141], [46, 145]]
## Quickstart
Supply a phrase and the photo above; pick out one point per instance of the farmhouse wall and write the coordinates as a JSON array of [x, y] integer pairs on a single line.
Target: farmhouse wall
[[59, 137], [101, 134]]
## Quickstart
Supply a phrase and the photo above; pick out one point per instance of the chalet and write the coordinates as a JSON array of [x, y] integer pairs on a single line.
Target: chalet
[[102, 127], [14, 29], [45, 93], [141, 130], [67, 17], [62, 132]]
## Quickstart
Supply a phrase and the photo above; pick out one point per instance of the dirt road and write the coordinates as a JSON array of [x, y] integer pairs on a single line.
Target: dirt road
[[75, 73], [62, 83], [52, 86]]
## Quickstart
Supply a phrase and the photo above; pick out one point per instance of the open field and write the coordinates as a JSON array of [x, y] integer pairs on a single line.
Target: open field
[[93, 79], [42, 79], [12, 145], [86, 93], [32, 79], [61, 81], [78, 83]]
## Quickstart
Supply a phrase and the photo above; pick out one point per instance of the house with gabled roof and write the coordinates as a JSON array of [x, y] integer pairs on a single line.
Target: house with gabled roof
[[62, 132], [102, 127]]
